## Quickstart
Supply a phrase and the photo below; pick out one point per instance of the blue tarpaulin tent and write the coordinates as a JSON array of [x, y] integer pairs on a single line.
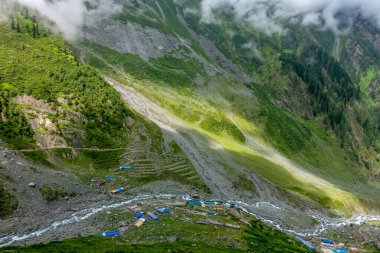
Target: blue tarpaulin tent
[[307, 244], [125, 167], [229, 205], [111, 233], [326, 241], [194, 202], [340, 250], [118, 190], [163, 210], [110, 177], [213, 203], [152, 216], [139, 215]]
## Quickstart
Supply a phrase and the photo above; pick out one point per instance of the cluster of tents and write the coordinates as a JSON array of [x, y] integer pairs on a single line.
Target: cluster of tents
[[210, 203], [152, 215], [124, 168], [327, 246], [140, 220]]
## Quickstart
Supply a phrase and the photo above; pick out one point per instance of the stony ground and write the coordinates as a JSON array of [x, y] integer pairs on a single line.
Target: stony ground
[[24, 180]]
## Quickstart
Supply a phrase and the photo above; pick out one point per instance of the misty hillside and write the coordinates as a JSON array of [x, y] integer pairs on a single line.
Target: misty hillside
[[274, 106]]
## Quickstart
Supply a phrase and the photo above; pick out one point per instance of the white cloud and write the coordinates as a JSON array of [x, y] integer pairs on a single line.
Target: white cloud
[[265, 15], [70, 15]]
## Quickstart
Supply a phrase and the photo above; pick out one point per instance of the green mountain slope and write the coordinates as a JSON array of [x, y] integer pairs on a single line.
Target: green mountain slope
[[247, 91], [285, 125], [63, 114]]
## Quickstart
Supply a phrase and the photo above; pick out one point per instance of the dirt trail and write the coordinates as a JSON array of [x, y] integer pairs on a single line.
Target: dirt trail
[[71, 148]]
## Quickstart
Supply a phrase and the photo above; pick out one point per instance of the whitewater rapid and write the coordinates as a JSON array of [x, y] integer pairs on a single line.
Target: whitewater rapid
[[324, 223]]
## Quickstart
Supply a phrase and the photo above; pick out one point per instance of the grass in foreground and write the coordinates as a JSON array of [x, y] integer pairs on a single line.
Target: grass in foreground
[[258, 238]]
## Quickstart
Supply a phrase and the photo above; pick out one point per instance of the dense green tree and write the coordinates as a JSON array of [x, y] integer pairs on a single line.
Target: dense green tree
[[47, 70], [330, 86]]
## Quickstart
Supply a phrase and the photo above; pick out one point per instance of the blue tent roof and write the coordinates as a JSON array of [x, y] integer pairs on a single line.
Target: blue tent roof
[[212, 203], [118, 190], [163, 210], [328, 241], [194, 202], [340, 250], [307, 244], [110, 177], [229, 205], [152, 216], [111, 233], [139, 215], [125, 167]]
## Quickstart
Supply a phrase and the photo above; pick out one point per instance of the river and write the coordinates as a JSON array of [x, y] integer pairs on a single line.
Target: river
[[325, 223]]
